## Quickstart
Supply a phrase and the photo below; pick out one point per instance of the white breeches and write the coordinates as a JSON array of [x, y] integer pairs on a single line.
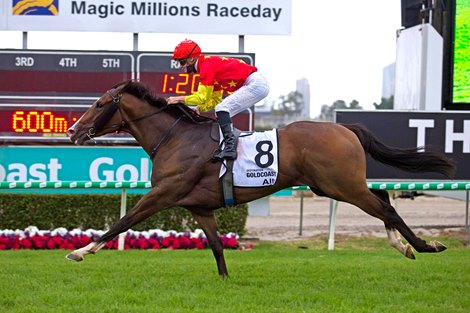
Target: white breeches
[[255, 89]]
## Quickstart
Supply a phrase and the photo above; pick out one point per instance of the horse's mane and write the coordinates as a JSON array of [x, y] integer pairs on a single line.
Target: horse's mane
[[142, 92]]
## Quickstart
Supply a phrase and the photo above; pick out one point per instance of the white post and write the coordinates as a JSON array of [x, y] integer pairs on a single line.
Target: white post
[[331, 238], [466, 218], [122, 236]]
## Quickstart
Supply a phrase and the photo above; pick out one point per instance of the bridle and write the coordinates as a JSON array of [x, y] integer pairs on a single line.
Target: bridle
[[106, 116], [98, 125]]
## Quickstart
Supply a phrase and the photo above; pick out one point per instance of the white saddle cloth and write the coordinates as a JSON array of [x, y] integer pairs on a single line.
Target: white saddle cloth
[[257, 161]]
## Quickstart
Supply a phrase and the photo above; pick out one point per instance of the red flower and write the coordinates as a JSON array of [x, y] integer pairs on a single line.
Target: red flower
[[50, 244], [154, 244], [66, 245], [39, 242], [133, 243], [109, 245], [176, 244], [184, 242], [57, 240], [77, 242], [16, 244], [25, 243], [199, 243], [3, 243], [230, 242], [168, 241], [142, 243], [85, 240], [74, 242]]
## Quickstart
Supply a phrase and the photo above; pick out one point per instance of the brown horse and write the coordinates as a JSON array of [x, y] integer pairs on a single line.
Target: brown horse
[[329, 158]]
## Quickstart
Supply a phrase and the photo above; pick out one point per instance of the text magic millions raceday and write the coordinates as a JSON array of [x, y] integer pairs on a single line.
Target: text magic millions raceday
[[163, 9]]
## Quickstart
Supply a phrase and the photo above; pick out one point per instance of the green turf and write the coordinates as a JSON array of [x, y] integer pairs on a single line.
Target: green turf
[[361, 275]]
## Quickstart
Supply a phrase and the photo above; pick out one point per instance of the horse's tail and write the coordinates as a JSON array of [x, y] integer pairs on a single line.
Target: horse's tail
[[417, 160]]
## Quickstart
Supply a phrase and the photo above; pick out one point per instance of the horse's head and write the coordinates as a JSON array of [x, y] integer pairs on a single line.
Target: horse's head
[[122, 106], [103, 117]]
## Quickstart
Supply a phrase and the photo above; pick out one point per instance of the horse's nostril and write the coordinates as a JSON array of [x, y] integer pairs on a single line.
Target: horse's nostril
[[70, 132]]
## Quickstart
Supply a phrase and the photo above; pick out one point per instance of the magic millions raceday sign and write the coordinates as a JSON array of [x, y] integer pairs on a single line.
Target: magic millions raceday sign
[[243, 17]]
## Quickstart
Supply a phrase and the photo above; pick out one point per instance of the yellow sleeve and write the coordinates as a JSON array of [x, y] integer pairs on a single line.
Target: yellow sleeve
[[205, 98]]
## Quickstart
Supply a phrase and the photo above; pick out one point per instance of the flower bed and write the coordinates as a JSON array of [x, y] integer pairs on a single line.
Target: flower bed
[[61, 238]]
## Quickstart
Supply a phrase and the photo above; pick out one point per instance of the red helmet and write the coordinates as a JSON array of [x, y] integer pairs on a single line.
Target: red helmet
[[186, 49]]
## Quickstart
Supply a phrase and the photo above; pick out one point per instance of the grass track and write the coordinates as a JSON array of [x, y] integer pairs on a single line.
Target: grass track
[[274, 277]]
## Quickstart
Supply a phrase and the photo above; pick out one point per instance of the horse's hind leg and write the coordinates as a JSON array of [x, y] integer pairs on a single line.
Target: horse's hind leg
[[395, 241], [393, 236], [394, 221], [435, 246], [382, 209], [209, 226]]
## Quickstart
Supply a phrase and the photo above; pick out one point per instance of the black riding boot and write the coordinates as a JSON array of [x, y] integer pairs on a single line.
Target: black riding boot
[[230, 148]]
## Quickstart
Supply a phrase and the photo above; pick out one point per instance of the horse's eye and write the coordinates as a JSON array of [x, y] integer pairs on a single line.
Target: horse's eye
[[99, 105]]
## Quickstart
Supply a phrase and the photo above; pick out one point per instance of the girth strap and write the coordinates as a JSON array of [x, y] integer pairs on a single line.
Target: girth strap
[[227, 184], [227, 178]]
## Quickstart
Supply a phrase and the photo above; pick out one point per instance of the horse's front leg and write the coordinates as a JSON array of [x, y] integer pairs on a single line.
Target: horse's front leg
[[78, 255], [147, 206], [209, 226]]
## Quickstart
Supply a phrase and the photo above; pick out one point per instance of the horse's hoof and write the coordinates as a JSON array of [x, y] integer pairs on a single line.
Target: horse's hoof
[[439, 247], [74, 257], [409, 252]]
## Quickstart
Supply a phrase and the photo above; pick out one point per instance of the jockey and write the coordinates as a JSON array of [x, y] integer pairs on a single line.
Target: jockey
[[219, 74]]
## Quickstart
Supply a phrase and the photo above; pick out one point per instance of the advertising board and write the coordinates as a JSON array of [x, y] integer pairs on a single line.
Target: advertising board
[[245, 17], [446, 131], [39, 164]]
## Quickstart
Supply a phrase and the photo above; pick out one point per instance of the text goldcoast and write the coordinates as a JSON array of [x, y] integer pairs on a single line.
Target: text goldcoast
[[261, 174]]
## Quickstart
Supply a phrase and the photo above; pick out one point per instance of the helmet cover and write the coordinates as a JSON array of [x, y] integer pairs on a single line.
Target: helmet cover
[[186, 49]]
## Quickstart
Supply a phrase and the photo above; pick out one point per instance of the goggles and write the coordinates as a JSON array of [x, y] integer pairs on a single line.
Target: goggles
[[184, 61]]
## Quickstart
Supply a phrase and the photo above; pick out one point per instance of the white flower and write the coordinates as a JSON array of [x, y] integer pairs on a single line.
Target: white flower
[[170, 233], [145, 234], [61, 231], [197, 233], [33, 230], [89, 232], [75, 232]]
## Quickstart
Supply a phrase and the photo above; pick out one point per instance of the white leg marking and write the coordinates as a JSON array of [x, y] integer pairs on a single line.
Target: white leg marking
[[395, 240], [77, 255]]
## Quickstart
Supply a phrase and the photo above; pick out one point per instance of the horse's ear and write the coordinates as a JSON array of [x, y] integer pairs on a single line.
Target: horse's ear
[[126, 84], [122, 85]]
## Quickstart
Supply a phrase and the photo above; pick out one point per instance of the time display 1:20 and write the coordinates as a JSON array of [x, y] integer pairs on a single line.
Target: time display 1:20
[[182, 84]]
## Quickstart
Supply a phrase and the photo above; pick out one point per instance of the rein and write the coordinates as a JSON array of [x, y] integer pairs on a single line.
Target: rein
[[164, 137], [110, 110]]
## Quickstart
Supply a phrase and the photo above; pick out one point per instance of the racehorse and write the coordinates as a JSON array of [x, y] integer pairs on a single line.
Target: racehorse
[[330, 158]]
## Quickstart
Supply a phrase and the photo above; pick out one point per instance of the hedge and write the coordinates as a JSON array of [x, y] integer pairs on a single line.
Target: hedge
[[18, 211]]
